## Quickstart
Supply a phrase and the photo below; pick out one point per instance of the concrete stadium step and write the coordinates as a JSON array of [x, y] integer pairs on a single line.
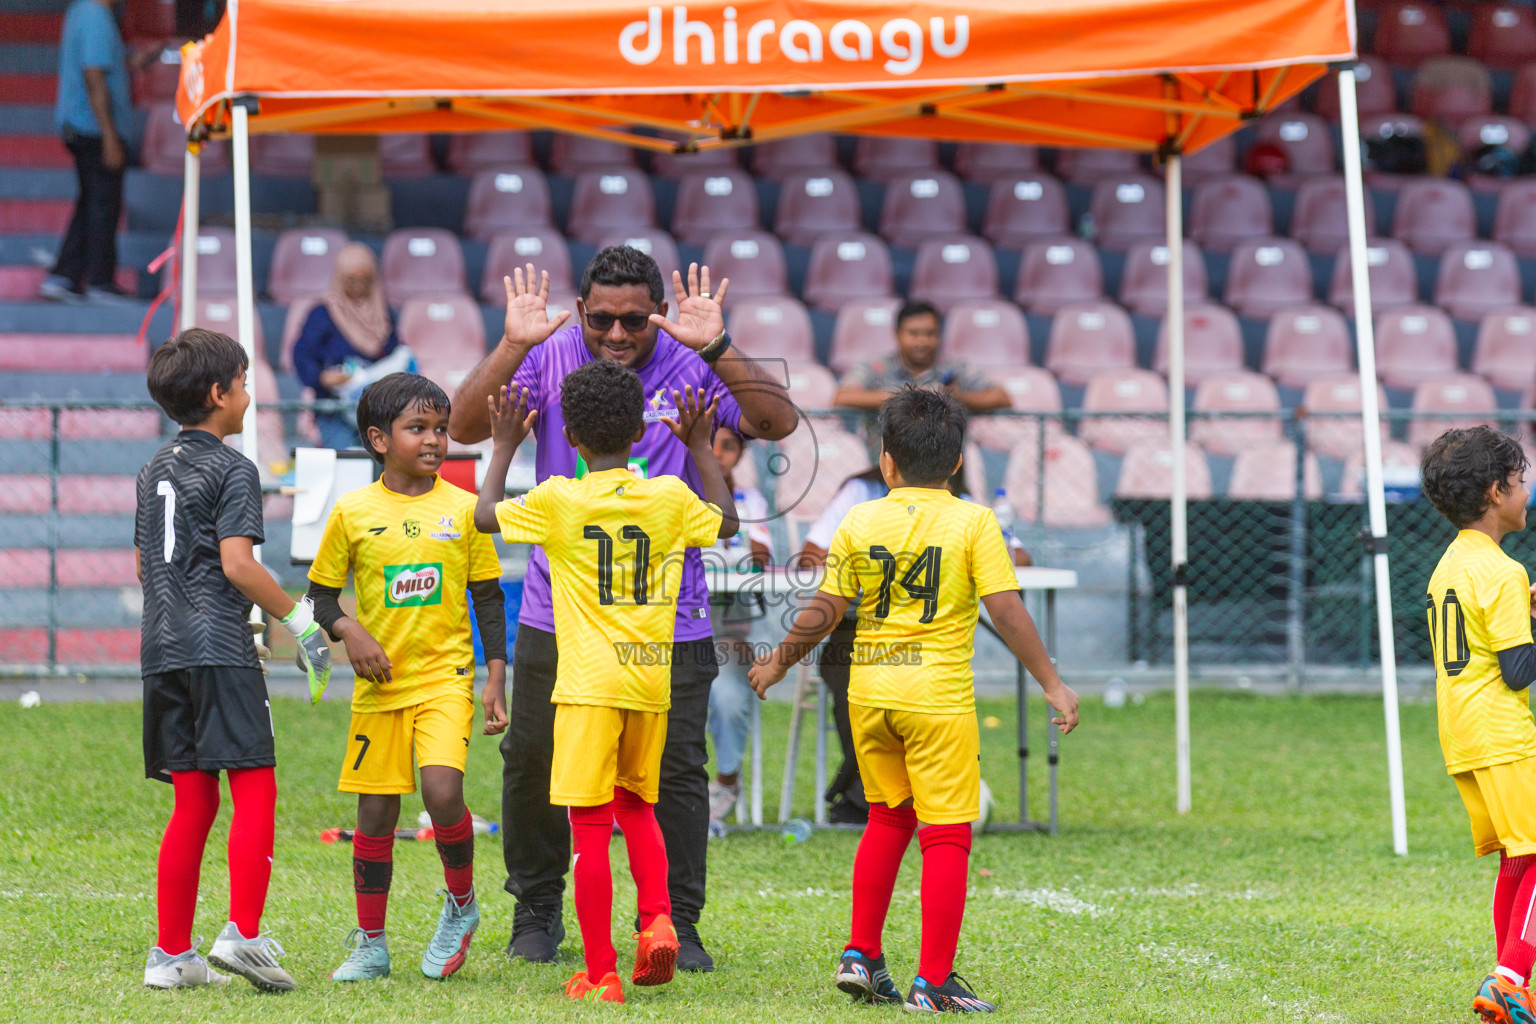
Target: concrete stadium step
[[26, 530], [65, 352], [16, 87], [89, 386], [34, 151], [31, 26], [29, 58], [76, 646], [26, 119], [37, 182], [33, 457], [20, 284], [74, 568], [35, 216]]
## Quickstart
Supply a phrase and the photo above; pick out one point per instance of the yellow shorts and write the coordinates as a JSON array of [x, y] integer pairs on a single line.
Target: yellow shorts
[[598, 748], [380, 743], [1501, 801], [934, 759]]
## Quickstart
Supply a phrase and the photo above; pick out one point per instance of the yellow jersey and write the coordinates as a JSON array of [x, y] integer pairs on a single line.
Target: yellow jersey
[[1478, 604], [923, 560], [615, 544], [412, 561]]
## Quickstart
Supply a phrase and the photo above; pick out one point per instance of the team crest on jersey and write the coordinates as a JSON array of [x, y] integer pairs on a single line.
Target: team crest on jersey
[[412, 528], [445, 530], [413, 586]]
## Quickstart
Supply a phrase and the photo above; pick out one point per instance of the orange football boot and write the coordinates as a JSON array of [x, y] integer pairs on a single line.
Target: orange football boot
[[656, 952], [609, 990], [1500, 1002]]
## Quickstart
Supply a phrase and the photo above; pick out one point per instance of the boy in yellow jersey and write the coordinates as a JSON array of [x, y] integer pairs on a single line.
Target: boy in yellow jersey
[[919, 560], [615, 543], [410, 543], [1479, 609]]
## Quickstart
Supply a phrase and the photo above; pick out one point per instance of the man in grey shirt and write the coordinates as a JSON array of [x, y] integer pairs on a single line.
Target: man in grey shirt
[[916, 361]]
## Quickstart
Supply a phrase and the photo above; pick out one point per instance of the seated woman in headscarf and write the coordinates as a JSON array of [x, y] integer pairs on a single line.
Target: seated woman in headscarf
[[345, 336]]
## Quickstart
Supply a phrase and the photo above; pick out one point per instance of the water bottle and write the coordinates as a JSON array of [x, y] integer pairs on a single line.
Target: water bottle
[[796, 830], [1003, 509]]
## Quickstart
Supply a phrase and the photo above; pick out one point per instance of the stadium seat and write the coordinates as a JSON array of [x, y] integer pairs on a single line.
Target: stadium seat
[[94, 567], [1268, 473], [1414, 343], [163, 148], [1475, 277], [220, 313], [73, 353], [811, 385], [1522, 96], [986, 332], [25, 493], [1058, 271], [1128, 209], [1514, 222], [677, 166], [1267, 274], [922, 206], [216, 274], [865, 329], [447, 335], [1088, 337], [950, 270], [271, 438], [1147, 472], [1375, 92], [982, 163], [712, 202], [1144, 281], [1319, 220], [293, 325], [1470, 396], [470, 153], [888, 158], [422, 261], [282, 156], [575, 155], [772, 326], [544, 247], [1450, 90], [815, 204], [508, 198], [1213, 342], [1229, 211], [1216, 160], [97, 494], [1089, 166], [1503, 35], [1068, 496], [1397, 459], [1332, 425], [1394, 281], [1030, 390], [406, 155], [610, 201], [752, 260], [655, 243], [1122, 392], [1235, 391], [1407, 33], [1307, 342], [1023, 208], [302, 263], [110, 424], [801, 154], [844, 267], [817, 458], [1505, 351], [1306, 140]]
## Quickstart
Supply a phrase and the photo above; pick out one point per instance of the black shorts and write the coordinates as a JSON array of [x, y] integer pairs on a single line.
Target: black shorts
[[208, 718]]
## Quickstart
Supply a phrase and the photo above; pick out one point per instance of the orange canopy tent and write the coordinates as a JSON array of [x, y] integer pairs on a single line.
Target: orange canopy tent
[[1158, 76]]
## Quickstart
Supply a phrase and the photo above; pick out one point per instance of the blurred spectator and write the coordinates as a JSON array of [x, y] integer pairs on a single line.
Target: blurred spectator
[[917, 361], [1266, 160]]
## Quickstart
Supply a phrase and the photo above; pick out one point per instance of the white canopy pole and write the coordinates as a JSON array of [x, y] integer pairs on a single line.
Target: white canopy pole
[[191, 189], [245, 288], [1370, 414], [1179, 512]]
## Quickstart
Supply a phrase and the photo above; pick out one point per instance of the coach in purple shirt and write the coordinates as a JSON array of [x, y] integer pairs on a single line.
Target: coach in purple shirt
[[622, 315]]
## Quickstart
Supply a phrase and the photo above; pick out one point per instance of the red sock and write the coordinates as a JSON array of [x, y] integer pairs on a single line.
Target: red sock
[[1511, 870], [456, 847], [373, 866], [181, 857], [592, 880], [253, 791], [946, 858], [874, 873], [647, 853], [1518, 951]]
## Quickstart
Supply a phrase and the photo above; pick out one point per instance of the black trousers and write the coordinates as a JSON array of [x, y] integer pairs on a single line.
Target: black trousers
[[536, 835], [88, 254], [835, 665]]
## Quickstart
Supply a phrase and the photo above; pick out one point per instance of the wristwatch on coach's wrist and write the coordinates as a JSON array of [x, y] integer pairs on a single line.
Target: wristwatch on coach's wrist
[[716, 348]]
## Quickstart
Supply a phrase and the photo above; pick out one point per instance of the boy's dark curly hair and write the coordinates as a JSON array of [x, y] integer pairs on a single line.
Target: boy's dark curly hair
[[924, 430], [1459, 466], [604, 406]]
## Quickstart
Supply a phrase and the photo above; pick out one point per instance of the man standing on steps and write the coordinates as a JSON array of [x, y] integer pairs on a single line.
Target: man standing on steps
[[622, 316]]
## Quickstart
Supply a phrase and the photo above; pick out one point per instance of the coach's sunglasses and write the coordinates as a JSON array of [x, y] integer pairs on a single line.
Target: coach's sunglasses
[[633, 323]]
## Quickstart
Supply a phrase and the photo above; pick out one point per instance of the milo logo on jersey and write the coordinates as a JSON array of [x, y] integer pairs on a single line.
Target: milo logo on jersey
[[413, 586]]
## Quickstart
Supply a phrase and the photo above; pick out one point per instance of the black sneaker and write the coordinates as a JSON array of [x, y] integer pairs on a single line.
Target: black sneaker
[[536, 933], [691, 955], [954, 996], [865, 978]]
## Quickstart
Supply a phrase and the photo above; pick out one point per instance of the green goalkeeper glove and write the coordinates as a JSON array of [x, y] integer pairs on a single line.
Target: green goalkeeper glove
[[313, 656]]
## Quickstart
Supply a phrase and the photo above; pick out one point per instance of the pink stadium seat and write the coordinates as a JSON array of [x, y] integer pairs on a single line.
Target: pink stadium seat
[[752, 260], [1505, 351], [986, 162], [1229, 211], [801, 154], [1394, 281], [922, 206], [1235, 391], [1058, 271], [1475, 277], [1123, 391], [219, 313], [882, 158], [1374, 90], [1450, 90], [24, 567], [865, 329], [1492, 130], [97, 494], [1268, 473], [811, 385], [1514, 223], [574, 155], [1023, 208], [473, 152], [422, 261], [1088, 337], [1267, 274], [507, 198], [613, 200], [1307, 342], [1397, 460], [406, 155], [1462, 393], [25, 493], [70, 353], [1213, 342], [163, 149], [215, 261], [446, 327], [712, 202], [1414, 343], [950, 270], [544, 247], [107, 423], [1329, 433], [1147, 472], [25, 424], [1522, 97], [817, 203], [1144, 281], [92, 567], [677, 166], [1407, 33], [817, 458], [1128, 209], [1319, 220], [986, 332], [1068, 496], [302, 263], [1503, 35], [772, 326], [1089, 166], [844, 267], [1030, 390], [655, 243], [283, 156], [1306, 140], [293, 326], [1216, 160]]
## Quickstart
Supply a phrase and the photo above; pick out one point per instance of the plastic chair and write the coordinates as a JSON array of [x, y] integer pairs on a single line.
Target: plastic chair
[[1493, 130], [507, 199], [772, 326], [1123, 391], [1476, 277], [1319, 220], [574, 155], [473, 152], [220, 313], [1030, 390], [443, 328], [1454, 393], [845, 267], [1068, 494], [216, 274], [1267, 274], [1056, 272], [1514, 222], [1397, 460], [801, 154], [710, 203], [1407, 33], [920, 206], [610, 201], [302, 263], [1505, 351], [1328, 432], [282, 156], [985, 162], [1522, 96], [1503, 35], [1414, 343], [1090, 166], [1213, 342], [811, 385], [950, 270], [1306, 139], [752, 260], [1230, 211], [677, 166], [1216, 160], [544, 247], [889, 158], [1394, 280], [1128, 209], [815, 204], [865, 329], [1375, 92], [1268, 473], [1235, 391], [1144, 281], [655, 243], [986, 332], [1307, 342], [1147, 472], [163, 149], [422, 261], [815, 460], [1088, 337], [406, 155], [1024, 208]]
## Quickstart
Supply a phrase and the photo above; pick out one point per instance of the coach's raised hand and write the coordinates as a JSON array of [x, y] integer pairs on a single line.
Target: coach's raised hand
[[700, 319], [528, 321]]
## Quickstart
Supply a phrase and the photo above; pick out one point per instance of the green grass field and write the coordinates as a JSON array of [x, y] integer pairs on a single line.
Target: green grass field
[[1277, 899]]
